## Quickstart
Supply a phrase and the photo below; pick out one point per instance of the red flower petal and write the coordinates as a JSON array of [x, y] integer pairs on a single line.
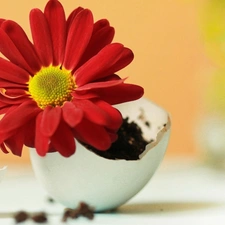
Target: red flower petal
[[93, 94], [100, 24], [41, 141], [13, 73], [29, 133], [41, 36], [71, 17], [55, 15], [84, 95], [15, 143], [12, 101], [114, 114], [13, 93], [110, 77], [4, 108], [63, 140], [10, 51], [113, 136], [8, 84], [3, 148], [120, 93], [23, 113], [21, 41], [102, 35], [126, 58], [109, 60], [79, 35], [16, 99], [1, 21], [104, 84], [93, 135], [50, 120], [71, 114], [93, 112]]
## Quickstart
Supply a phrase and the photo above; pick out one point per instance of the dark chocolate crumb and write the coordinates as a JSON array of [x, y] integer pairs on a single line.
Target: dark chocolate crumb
[[40, 217], [141, 115], [82, 210], [66, 215], [129, 145], [51, 200], [21, 216], [147, 123]]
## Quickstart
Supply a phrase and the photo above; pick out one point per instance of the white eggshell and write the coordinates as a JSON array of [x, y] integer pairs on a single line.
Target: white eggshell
[[103, 183]]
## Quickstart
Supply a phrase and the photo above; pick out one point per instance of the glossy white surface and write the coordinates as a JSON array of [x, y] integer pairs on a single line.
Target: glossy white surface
[[103, 183], [181, 193]]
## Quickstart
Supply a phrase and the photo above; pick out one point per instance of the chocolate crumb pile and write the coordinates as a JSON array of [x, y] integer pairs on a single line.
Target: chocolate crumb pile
[[39, 217], [129, 145], [22, 216], [82, 210]]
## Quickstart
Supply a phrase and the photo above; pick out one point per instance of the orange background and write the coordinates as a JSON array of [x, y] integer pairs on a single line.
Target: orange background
[[170, 60]]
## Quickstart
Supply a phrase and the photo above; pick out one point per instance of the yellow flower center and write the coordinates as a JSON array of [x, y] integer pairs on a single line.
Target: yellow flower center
[[51, 86]]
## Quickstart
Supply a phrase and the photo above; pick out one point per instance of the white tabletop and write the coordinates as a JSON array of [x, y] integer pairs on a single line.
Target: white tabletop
[[181, 192]]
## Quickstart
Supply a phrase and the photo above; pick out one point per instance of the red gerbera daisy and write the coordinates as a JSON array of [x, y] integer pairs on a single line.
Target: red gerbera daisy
[[62, 85]]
